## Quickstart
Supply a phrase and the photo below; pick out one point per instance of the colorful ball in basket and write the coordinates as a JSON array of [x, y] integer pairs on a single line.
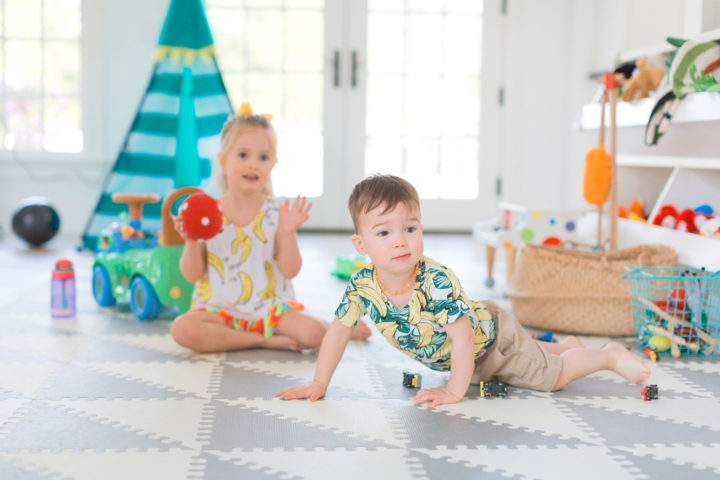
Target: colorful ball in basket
[[201, 216]]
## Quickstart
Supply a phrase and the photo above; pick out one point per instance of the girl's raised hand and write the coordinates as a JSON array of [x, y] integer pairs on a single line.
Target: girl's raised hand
[[292, 216]]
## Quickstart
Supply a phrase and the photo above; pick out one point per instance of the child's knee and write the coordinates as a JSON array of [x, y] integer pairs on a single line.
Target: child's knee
[[182, 332], [313, 334]]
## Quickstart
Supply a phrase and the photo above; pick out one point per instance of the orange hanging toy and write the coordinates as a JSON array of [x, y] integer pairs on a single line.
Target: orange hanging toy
[[598, 168]]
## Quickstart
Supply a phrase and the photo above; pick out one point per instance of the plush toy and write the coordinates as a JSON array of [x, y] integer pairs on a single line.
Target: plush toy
[[646, 79], [666, 217], [201, 216], [635, 212], [689, 63]]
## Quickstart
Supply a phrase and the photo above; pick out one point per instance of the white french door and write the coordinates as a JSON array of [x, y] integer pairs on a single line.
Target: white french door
[[372, 86]]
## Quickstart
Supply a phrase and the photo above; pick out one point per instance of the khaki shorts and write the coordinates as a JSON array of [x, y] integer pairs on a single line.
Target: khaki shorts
[[515, 357]]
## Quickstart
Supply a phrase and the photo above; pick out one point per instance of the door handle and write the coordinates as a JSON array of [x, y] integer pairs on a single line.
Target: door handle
[[336, 68], [353, 69]]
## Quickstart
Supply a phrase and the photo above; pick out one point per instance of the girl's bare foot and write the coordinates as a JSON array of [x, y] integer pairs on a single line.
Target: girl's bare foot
[[281, 342], [628, 365], [360, 331]]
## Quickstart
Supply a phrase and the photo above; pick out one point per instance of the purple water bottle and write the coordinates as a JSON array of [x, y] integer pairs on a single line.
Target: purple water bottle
[[62, 290]]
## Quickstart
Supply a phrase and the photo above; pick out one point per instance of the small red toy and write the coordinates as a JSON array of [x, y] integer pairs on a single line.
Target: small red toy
[[649, 392], [201, 216], [651, 353]]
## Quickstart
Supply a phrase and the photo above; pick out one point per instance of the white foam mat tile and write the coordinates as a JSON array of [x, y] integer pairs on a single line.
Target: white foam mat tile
[[172, 419], [108, 465], [691, 411], [536, 413], [56, 347], [322, 464], [694, 455], [366, 418], [180, 376], [27, 379], [163, 343], [560, 462]]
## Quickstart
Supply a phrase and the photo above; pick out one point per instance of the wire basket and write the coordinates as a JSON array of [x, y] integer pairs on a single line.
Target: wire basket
[[676, 311]]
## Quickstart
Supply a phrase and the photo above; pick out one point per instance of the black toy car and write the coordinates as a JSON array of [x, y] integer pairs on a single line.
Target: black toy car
[[411, 380], [649, 392], [493, 389]]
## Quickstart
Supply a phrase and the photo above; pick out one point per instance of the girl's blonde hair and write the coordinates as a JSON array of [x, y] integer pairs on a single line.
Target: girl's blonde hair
[[235, 126]]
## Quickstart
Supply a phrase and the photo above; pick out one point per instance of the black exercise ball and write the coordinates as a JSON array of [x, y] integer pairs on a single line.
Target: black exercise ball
[[35, 221]]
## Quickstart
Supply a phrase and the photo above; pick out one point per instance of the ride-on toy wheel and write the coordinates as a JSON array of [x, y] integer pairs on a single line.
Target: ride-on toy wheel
[[102, 287], [143, 300]]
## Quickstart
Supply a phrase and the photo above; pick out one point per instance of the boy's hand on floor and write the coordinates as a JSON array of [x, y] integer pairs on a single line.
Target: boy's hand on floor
[[436, 396], [314, 392]]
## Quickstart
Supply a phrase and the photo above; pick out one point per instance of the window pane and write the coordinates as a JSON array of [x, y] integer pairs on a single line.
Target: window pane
[[25, 16], [385, 112], [427, 111], [229, 34], [23, 119], [384, 155], [262, 93], [63, 124], [24, 72], [62, 18], [386, 5], [386, 40], [304, 41], [425, 40], [462, 44], [424, 5], [271, 55], [464, 6], [303, 107], [62, 67], [264, 29]]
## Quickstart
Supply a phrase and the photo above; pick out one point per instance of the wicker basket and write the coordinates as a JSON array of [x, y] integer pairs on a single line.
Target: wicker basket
[[579, 291]]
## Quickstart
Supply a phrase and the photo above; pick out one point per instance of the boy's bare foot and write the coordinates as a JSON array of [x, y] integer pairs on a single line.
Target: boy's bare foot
[[360, 331], [628, 365], [571, 341], [281, 342]]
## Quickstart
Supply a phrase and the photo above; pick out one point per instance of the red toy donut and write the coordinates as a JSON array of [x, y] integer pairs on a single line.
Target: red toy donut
[[201, 216]]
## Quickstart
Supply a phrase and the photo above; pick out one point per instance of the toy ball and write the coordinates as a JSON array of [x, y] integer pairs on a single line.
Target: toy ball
[[35, 221], [659, 343], [201, 216]]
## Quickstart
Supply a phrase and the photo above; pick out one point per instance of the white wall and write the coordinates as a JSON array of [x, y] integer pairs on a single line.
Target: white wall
[[549, 49]]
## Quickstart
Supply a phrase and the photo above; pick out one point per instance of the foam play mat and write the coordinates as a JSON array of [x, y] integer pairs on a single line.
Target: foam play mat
[[106, 396]]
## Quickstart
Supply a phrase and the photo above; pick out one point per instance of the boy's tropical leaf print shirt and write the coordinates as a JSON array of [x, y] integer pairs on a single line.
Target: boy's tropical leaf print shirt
[[418, 328]]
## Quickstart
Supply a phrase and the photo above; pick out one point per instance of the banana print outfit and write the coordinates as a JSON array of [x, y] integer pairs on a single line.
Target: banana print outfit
[[242, 278], [417, 328]]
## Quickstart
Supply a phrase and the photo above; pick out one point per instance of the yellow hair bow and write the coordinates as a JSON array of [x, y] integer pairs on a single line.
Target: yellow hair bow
[[246, 109]]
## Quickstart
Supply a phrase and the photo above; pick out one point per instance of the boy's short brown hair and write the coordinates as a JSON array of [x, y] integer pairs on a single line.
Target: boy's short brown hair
[[377, 190]]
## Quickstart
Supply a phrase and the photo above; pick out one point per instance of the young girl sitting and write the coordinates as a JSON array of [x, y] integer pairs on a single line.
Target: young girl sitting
[[243, 296]]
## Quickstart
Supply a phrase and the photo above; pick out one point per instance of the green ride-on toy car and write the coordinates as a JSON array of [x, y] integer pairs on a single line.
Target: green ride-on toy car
[[136, 266]]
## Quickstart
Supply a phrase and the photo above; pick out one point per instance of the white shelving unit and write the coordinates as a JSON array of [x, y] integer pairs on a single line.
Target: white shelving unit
[[683, 170]]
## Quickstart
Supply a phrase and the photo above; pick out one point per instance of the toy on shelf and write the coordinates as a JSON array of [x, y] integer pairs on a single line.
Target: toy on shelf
[[137, 266], [201, 216], [517, 225], [493, 389], [633, 212], [411, 380], [687, 220], [687, 63], [644, 79], [649, 392]]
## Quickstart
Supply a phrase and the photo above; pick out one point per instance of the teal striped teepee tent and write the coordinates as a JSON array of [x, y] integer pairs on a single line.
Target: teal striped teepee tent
[[176, 130]]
